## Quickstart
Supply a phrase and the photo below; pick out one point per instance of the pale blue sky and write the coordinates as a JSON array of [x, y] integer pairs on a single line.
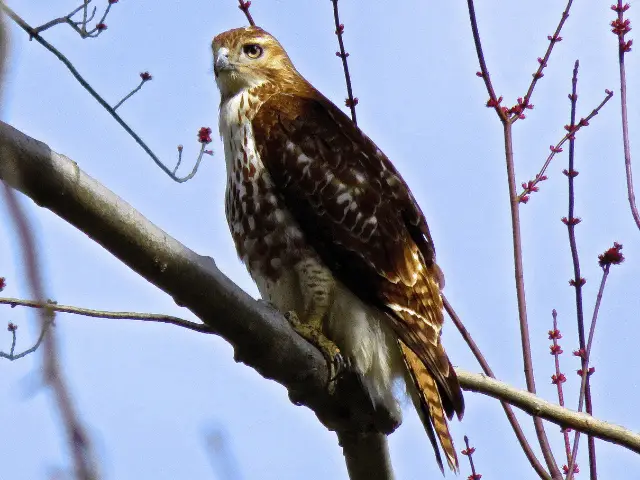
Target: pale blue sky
[[149, 393]]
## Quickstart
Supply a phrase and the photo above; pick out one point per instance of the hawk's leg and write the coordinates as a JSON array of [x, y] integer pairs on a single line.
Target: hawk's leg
[[317, 288], [311, 331]]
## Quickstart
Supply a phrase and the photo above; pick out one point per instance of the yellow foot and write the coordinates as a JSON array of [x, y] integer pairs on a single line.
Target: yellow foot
[[329, 350]]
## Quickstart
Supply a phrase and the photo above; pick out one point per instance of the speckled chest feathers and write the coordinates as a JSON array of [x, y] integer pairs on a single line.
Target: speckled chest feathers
[[329, 230], [266, 237]]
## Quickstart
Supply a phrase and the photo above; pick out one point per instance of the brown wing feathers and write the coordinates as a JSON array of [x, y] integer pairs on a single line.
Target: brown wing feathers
[[362, 220]]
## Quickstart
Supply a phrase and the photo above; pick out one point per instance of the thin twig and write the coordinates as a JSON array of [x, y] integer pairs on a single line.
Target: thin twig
[[11, 356], [585, 365], [553, 39], [244, 6], [145, 317], [511, 416], [351, 101], [571, 132], [58, 21], [484, 71], [521, 299], [571, 221], [27, 28], [468, 452], [77, 439], [559, 378], [84, 14], [97, 30], [80, 27], [145, 77], [621, 28]]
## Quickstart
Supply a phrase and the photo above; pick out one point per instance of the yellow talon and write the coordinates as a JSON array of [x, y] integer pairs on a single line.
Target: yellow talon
[[311, 333]]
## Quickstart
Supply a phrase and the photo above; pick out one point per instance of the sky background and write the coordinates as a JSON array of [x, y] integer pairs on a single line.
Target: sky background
[[150, 394]]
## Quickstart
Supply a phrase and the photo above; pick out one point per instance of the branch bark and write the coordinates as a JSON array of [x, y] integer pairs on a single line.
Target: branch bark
[[366, 455], [261, 337], [538, 407]]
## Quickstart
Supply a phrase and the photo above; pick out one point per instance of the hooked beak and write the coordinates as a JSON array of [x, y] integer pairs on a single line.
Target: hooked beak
[[222, 62]]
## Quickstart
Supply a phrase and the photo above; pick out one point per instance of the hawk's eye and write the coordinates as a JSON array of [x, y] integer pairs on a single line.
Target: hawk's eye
[[252, 50]]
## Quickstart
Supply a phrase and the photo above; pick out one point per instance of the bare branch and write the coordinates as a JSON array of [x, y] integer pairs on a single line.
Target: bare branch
[[558, 378], [350, 102], [145, 77], [12, 356], [468, 452], [553, 39], [621, 27], [144, 317], [77, 439], [484, 71], [586, 354], [572, 129], [563, 417], [514, 205], [571, 221], [34, 35], [244, 6]]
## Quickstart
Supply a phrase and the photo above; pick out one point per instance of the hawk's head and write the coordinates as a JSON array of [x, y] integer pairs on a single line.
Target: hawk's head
[[248, 57]]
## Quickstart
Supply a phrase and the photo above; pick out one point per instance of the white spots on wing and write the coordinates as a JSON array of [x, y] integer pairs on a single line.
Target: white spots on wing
[[400, 308], [302, 158], [360, 178], [290, 146], [369, 228], [293, 232], [271, 198], [279, 215], [344, 197]]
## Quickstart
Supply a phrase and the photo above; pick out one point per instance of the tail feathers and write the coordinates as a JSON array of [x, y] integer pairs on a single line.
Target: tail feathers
[[426, 398]]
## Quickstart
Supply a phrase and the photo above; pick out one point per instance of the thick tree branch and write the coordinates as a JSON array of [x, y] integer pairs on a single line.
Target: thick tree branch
[[366, 455], [260, 336]]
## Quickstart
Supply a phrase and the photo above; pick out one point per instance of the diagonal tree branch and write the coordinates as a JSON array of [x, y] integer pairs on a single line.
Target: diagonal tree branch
[[260, 336], [34, 35]]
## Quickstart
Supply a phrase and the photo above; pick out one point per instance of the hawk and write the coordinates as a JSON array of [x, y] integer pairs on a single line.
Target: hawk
[[330, 232]]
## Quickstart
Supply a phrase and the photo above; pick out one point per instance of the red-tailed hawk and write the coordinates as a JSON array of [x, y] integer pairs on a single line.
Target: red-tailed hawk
[[328, 229]]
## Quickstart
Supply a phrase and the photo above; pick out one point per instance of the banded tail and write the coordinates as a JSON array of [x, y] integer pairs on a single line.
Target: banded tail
[[426, 398]]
